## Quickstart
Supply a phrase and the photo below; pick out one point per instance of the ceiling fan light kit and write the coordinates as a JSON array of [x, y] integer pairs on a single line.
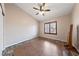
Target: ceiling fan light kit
[[42, 9]]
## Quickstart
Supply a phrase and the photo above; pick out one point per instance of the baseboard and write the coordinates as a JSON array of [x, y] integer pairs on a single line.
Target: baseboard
[[52, 39], [76, 49]]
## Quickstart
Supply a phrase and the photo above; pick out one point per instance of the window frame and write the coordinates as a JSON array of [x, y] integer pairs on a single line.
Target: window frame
[[49, 27]]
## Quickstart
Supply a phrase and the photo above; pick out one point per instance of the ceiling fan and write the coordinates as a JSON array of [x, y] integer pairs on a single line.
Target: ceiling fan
[[41, 8]]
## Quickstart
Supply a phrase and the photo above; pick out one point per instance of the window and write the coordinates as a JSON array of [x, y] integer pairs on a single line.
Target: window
[[50, 28]]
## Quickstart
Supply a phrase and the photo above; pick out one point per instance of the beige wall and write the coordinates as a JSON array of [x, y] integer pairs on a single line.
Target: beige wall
[[75, 21], [18, 26], [62, 28]]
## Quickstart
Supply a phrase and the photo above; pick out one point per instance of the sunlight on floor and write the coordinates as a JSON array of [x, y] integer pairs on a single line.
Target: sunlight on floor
[[48, 48]]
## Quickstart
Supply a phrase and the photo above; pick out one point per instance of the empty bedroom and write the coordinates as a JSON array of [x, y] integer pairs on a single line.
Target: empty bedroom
[[39, 29]]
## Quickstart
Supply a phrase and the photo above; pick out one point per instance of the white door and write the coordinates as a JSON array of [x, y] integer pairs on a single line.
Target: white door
[[1, 31]]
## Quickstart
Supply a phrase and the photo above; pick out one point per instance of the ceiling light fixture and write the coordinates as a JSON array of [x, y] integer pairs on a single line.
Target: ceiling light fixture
[[42, 9]]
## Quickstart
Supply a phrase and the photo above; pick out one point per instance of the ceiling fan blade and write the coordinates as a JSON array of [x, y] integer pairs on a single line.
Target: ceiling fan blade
[[43, 4], [47, 10], [35, 8], [37, 13]]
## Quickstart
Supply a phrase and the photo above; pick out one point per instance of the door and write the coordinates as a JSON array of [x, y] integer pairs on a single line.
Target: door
[[78, 37], [1, 31]]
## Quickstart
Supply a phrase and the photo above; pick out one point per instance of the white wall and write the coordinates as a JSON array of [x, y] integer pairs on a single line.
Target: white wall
[[1, 32], [63, 23], [75, 21], [18, 26]]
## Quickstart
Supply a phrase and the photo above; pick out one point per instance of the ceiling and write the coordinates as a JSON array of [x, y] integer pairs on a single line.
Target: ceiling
[[57, 9]]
